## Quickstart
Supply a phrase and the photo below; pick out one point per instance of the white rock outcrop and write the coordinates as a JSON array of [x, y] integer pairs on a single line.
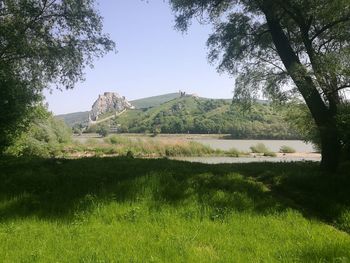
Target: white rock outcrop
[[108, 102]]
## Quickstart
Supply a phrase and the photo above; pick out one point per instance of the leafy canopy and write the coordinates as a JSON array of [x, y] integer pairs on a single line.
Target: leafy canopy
[[42, 43], [317, 30]]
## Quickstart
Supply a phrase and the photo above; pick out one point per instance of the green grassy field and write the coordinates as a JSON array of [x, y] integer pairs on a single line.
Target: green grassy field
[[138, 210]]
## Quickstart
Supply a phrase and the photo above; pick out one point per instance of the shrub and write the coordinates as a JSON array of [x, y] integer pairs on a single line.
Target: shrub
[[344, 221], [46, 137], [114, 139], [103, 131], [287, 149], [234, 152], [259, 148]]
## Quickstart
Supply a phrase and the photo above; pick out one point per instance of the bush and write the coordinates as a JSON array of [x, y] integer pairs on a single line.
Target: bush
[[114, 139], [259, 148], [103, 131], [233, 152], [46, 137], [286, 149], [344, 221]]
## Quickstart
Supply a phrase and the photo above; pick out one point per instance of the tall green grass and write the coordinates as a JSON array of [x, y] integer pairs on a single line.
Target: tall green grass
[[287, 149], [261, 148], [147, 147], [137, 210]]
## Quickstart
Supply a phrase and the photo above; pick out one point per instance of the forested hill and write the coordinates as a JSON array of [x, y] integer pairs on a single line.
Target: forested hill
[[197, 115], [171, 113], [75, 118]]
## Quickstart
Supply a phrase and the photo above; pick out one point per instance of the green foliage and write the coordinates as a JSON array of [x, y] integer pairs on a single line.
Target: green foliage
[[249, 36], [197, 115], [137, 210], [299, 117], [114, 139], [259, 148], [301, 120], [286, 149], [43, 43], [16, 105], [77, 129], [45, 137], [156, 130], [75, 119], [102, 130], [146, 147], [234, 152], [343, 122], [283, 50]]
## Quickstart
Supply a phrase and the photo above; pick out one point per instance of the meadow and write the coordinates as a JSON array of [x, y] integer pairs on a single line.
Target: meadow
[[121, 209]]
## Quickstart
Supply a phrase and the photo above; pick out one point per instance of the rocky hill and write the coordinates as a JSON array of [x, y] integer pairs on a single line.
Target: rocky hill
[[109, 102], [173, 113], [81, 118]]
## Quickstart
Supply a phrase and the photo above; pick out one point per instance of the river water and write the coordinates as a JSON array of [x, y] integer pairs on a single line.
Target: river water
[[244, 145], [304, 151], [217, 160]]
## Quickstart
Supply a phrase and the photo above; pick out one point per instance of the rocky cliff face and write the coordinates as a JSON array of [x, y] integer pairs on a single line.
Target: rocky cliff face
[[108, 102]]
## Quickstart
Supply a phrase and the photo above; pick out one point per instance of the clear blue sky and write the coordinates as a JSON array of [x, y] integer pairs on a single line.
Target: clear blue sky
[[152, 59]]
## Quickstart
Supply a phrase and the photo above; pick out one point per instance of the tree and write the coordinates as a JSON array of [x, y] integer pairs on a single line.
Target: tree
[[103, 130], [282, 47], [43, 43], [45, 136]]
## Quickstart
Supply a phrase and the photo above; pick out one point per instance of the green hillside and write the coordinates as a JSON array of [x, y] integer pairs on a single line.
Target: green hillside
[[154, 101], [171, 113], [198, 115], [75, 118]]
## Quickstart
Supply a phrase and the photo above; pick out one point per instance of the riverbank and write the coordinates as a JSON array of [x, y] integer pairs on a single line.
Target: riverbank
[[206, 148], [143, 147]]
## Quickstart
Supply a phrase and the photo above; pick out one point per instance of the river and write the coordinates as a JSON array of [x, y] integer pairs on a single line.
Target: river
[[244, 145]]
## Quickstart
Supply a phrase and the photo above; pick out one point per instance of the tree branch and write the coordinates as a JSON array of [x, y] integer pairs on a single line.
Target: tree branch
[[345, 18]]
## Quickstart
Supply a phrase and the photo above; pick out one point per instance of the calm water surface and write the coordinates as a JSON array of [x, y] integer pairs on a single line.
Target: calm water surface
[[224, 144], [217, 160], [244, 145]]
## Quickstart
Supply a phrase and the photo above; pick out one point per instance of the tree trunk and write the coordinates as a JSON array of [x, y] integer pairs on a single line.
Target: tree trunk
[[330, 146], [323, 115]]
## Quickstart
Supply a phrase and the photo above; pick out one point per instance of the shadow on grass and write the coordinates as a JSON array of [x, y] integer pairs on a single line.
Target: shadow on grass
[[60, 188], [329, 253], [309, 189]]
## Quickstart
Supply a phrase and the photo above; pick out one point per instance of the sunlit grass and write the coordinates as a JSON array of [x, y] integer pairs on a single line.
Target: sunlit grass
[[132, 210]]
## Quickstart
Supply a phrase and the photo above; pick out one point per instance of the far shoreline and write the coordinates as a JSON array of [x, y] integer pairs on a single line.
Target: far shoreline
[[186, 136]]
